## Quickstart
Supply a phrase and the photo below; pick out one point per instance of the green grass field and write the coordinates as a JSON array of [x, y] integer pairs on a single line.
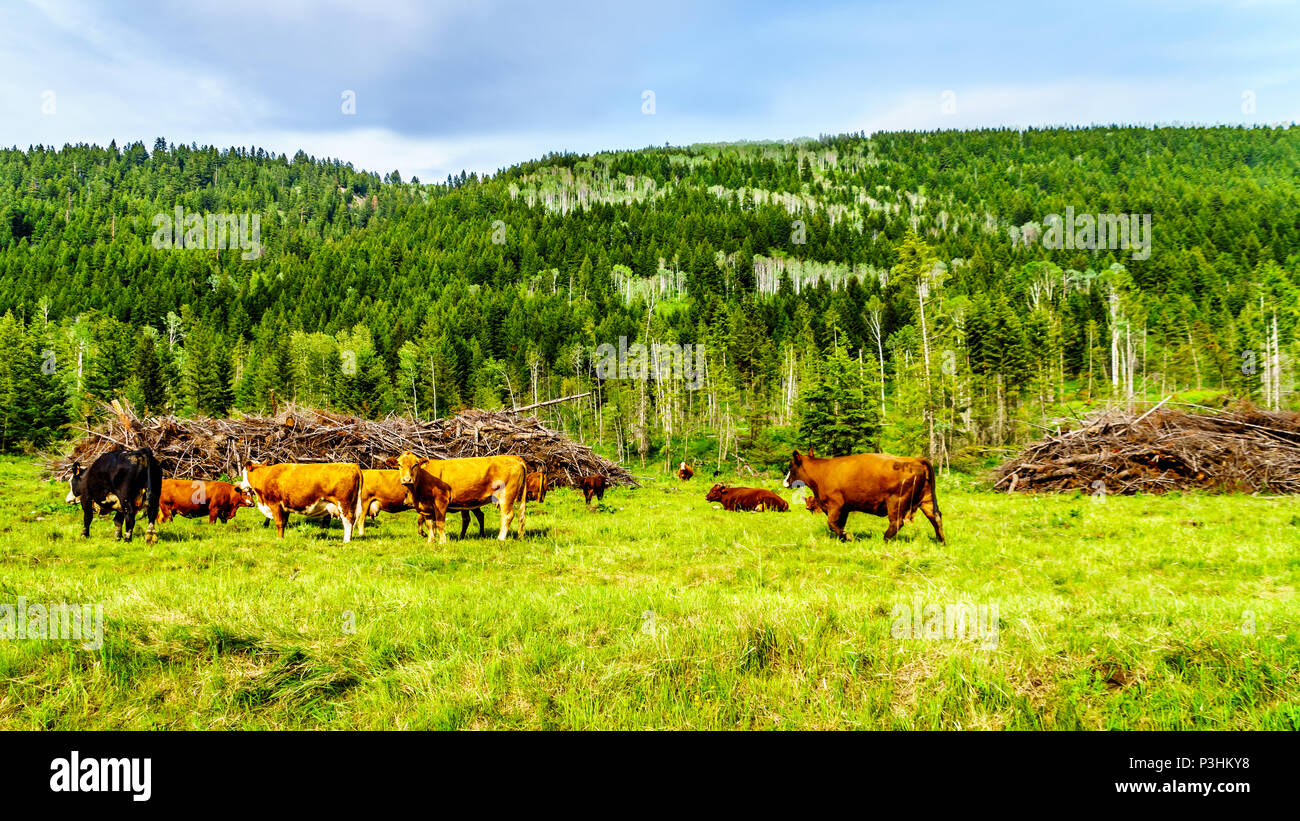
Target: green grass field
[[658, 611]]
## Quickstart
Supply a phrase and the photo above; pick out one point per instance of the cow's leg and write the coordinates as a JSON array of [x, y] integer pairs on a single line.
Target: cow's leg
[[280, 516], [87, 514], [420, 521], [523, 503], [836, 517], [931, 511], [118, 516], [359, 512], [464, 523], [507, 510], [896, 513]]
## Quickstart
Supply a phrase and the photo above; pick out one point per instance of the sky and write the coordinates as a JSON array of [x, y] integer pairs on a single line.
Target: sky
[[439, 87]]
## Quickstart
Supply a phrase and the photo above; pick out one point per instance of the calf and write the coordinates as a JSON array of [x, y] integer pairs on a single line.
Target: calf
[[684, 472], [192, 498], [593, 486], [875, 483], [332, 489], [536, 486], [125, 480], [746, 498]]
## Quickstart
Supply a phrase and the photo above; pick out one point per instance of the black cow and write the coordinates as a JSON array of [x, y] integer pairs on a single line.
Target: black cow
[[121, 480]]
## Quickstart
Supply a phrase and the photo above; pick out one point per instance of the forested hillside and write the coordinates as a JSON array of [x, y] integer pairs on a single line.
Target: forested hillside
[[849, 291]]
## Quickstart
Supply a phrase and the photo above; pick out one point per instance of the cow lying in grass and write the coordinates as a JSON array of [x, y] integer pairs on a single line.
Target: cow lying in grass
[[891, 486], [746, 498]]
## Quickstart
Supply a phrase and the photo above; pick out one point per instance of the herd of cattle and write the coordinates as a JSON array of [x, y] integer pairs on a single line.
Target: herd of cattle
[[126, 482]]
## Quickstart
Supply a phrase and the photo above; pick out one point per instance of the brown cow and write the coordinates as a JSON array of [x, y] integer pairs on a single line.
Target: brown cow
[[594, 485], [684, 472], [330, 489], [429, 495], [536, 484], [475, 482], [384, 492], [191, 498], [746, 498], [875, 483]]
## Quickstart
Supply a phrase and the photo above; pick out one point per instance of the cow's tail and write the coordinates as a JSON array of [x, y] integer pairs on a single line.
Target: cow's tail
[[152, 495], [360, 521]]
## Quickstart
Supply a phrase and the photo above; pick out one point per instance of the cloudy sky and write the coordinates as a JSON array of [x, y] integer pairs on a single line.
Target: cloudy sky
[[445, 86]]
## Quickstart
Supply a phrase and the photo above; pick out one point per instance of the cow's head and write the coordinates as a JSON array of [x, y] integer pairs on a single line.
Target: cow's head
[[244, 487], [406, 466], [76, 484], [814, 506], [797, 475], [242, 499], [715, 492]]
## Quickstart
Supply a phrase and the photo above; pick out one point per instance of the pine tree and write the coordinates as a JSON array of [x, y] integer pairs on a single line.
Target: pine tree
[[839, 411]]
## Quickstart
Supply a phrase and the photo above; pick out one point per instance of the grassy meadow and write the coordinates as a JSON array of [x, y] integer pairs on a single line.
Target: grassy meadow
[[659, 611]]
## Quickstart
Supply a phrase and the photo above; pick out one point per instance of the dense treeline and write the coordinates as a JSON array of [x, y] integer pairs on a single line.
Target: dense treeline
[[892, 290]]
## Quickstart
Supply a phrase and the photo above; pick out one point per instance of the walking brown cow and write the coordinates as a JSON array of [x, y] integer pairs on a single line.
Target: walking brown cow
[[891, 486]]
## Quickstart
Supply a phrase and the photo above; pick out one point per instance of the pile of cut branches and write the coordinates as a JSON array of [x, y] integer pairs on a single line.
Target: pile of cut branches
[[207, 448], [1244, 450]]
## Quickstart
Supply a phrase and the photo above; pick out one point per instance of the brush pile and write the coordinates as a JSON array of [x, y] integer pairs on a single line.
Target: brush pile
[[1245, 450], [208, 448]]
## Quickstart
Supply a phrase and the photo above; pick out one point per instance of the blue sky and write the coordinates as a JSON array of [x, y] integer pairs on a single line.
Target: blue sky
[[441, 87]]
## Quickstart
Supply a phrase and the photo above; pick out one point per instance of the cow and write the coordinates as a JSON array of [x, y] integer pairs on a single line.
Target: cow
[[875, 483], [684, 472], [429, 495], [124, 480], [384, 492], [746, 498], [191, 498], [536, 486], [474, 482], [594, 485], [318, 489]]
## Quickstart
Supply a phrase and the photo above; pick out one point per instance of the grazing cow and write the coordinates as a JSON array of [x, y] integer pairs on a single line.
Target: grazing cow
[[193, 498], [125, 480], [594, 485], [536, 484], [330, 489], [875, 483], [474, 483], [746, 498], [684, 472], [384, 492]]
